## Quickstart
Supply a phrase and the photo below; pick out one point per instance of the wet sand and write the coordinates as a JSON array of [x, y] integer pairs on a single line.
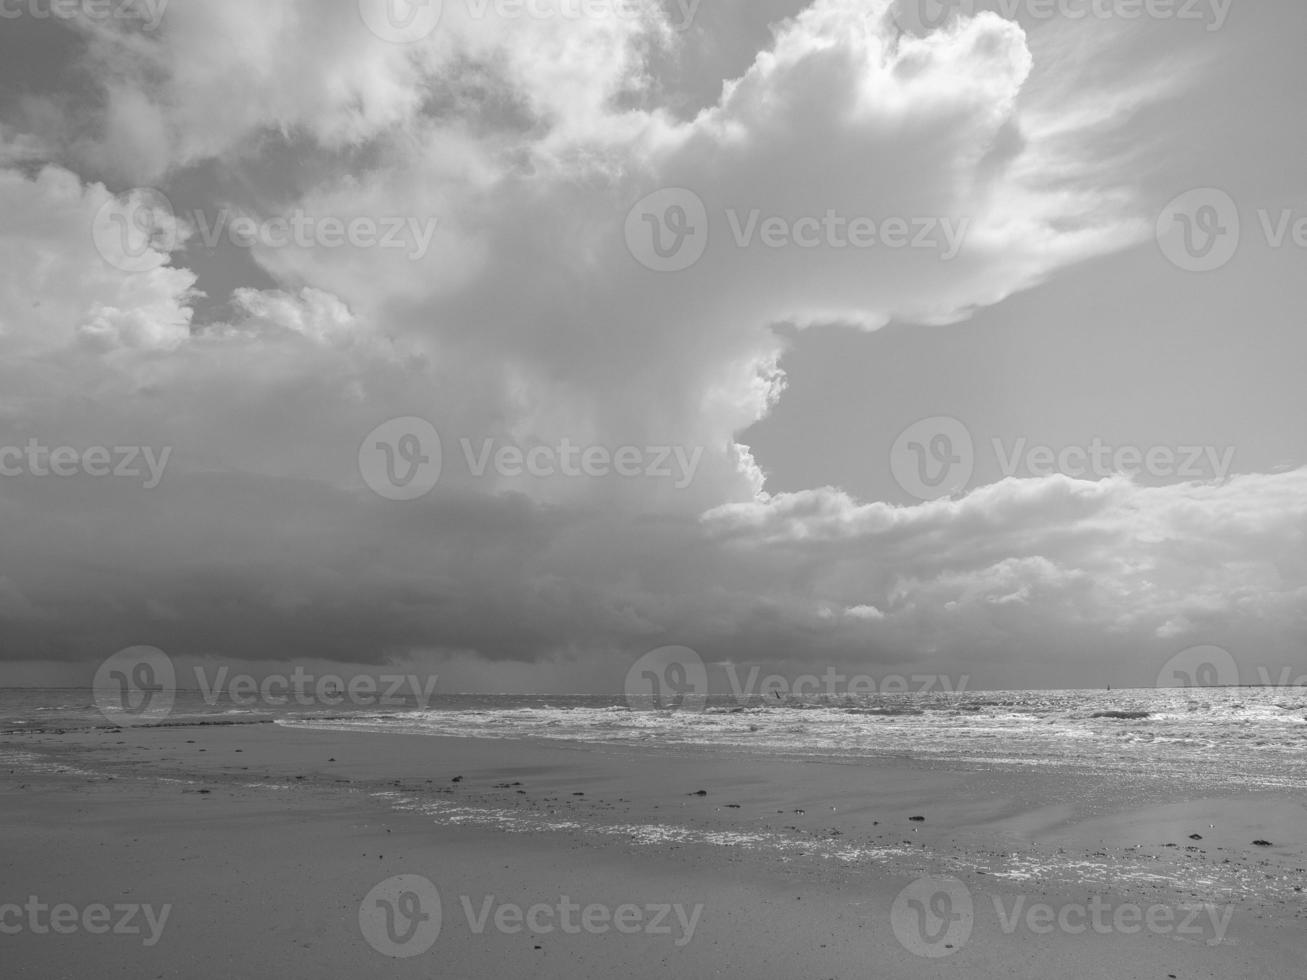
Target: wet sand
[[266, 840]]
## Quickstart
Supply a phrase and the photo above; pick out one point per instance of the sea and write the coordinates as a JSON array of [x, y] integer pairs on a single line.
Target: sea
[[1239, 736]]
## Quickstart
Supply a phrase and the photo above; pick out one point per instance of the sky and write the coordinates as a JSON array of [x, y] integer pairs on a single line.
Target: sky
[[518, 339]]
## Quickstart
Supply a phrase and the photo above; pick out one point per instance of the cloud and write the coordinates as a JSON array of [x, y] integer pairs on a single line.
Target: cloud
[[526, 320], [214, 79], [58, 290], [1020, 567]]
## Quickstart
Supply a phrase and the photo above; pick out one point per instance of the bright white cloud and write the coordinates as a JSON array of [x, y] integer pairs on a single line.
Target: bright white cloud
[[524, 319]]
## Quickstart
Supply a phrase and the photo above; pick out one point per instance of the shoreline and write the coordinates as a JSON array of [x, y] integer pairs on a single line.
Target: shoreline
[[843, 842]]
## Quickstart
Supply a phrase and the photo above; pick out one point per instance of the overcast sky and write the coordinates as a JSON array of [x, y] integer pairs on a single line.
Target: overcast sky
[[803, 334]]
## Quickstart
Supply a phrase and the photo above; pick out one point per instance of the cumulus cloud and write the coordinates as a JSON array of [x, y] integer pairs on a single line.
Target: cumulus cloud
[[526, 320], [58, 290], [1110, 556]]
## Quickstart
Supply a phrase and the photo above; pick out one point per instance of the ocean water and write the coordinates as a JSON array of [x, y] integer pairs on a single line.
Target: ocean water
[[1251, 736]]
